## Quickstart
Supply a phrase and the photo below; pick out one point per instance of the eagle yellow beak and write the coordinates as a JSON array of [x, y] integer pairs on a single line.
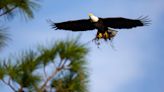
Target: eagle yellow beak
[[90, 14]]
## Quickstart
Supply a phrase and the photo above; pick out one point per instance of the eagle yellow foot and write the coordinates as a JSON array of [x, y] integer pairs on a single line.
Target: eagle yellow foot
[[100, 35], [104, 36]]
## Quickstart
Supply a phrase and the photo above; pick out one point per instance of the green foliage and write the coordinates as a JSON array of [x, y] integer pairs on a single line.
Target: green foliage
[[68, 75], [75, 78], [3, 37], [2, 71], [9, 8], [47, 55], [71, 82], [69, 48], [26, 65]]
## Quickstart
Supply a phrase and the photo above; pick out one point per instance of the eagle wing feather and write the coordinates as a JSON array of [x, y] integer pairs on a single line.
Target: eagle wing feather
[[75, 25], [119, 22]]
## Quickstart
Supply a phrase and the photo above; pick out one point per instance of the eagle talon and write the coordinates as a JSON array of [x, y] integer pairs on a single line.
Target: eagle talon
[[96, 40]]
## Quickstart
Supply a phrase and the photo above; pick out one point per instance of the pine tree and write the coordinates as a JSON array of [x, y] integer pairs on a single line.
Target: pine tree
[[30, 71], [61, 67]]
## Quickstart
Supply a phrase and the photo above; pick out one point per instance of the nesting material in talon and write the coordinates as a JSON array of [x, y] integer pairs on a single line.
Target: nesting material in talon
[[112, 33]]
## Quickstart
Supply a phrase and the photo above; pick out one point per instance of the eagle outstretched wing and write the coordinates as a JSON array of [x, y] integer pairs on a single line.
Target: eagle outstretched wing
[[120, 23], [76, 25]]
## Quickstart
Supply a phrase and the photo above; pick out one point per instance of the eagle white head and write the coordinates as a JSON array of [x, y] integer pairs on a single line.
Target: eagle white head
[[93, 17]]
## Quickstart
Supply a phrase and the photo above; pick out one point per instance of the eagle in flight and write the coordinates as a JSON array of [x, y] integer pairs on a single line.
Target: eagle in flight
[[105, 26]]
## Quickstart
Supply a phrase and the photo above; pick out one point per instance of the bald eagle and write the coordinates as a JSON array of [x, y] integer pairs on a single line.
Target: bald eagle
[[105, 26]]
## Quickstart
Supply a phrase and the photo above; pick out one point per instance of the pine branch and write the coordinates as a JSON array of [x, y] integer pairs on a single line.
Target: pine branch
[[8, 11], [21, 89]]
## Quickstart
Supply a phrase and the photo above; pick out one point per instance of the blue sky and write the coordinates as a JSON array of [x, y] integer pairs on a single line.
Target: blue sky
[[137, 63]]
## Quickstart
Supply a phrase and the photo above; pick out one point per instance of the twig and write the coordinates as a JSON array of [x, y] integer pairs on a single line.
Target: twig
[[64, 63], [60, 62], [8, 83], [59, 68], [48, 79], [44, 70]]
